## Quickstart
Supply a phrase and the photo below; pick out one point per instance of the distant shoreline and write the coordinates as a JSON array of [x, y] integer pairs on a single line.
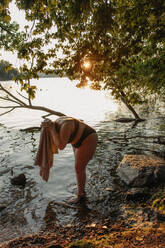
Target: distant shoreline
[[40, 76]]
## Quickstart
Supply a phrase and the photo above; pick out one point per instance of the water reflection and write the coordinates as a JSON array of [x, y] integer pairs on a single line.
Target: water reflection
[[60, 95], [50, 217]]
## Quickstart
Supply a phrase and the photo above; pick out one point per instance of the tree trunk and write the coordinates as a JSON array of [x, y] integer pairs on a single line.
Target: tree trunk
[[123, 99]]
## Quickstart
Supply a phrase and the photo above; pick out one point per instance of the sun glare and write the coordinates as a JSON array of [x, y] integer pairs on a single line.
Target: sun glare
[[86, 65]]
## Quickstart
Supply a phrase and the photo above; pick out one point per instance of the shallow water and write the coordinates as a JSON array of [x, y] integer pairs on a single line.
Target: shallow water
[[40, 205]]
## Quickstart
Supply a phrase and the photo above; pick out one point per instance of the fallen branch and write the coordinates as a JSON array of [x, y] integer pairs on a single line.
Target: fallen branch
[[31, 129]]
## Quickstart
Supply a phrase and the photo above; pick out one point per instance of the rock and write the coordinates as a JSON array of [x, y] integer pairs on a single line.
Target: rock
[[75, 246], [19, 180], [160, 217], [138, 195], [161, 140], [141, 170], [4, 171], [55, 246], [125, 120], [2, 207]]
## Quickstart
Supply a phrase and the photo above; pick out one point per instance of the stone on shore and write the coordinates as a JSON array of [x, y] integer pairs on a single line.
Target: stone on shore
[[2, 207], [141, 170], [19, 180], [137, 194]]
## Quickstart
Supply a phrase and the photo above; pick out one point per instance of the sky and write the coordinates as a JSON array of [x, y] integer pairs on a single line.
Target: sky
[[19, 17]]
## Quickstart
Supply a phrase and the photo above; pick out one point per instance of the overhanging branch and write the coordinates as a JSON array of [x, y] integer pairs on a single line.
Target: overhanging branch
[[22, 95], [21, 104], [7, 30], [12, 96], [10, 110]]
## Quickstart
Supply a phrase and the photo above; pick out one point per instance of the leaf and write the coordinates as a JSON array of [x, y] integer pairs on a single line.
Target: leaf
[[152, 19], [53, 2], [7, 18], [7, 69]]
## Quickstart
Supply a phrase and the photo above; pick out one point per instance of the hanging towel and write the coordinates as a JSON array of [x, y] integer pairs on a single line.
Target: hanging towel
[[48, 145]]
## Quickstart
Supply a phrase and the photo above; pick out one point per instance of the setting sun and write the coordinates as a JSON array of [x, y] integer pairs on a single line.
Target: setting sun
[[86, 65]]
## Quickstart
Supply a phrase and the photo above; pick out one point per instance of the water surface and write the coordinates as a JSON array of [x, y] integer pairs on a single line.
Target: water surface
[[41, 205]]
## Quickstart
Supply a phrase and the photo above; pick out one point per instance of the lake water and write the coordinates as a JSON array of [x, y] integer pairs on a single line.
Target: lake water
[[62, 95], [40, 205]]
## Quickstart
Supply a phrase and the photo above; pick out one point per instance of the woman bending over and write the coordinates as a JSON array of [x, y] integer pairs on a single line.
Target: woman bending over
[[83, 139]]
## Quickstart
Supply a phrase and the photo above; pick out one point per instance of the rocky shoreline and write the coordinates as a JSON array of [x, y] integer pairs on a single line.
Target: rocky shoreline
[[142, 223], [116, 214], [115, 236]]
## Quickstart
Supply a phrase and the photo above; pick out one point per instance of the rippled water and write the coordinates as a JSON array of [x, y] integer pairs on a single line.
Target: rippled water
[[42, 205]]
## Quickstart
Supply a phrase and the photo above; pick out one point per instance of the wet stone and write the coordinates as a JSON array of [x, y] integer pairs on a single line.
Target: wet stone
[[2, 207], [4, 171], [160, 217], [19, 180], [138, 194], [141, 170], [161, 140], [75, 246], [55, 246]]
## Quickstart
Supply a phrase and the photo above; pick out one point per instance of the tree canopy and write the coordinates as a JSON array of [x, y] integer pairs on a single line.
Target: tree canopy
[[123, 41], [10, 37], [7, 72]]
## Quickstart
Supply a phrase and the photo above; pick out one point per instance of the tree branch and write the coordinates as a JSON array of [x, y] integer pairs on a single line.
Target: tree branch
[[29, 100], [5, 29], [20, 104], [45, 116], [5, 107], [41, 108], [8, 110], [22, 95], [123, 99], [9, 100], [10, 94]]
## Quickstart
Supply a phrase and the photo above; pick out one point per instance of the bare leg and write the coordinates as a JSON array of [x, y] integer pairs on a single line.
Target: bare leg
[[82, 156]]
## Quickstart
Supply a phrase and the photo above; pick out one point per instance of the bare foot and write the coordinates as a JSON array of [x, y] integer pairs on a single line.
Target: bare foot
[[78, 199]]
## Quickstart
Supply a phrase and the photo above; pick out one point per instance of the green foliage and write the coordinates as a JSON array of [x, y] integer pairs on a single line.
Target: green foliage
[[159, 204], [10, 37], [7, 72], [158, 200], [124, 40]]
